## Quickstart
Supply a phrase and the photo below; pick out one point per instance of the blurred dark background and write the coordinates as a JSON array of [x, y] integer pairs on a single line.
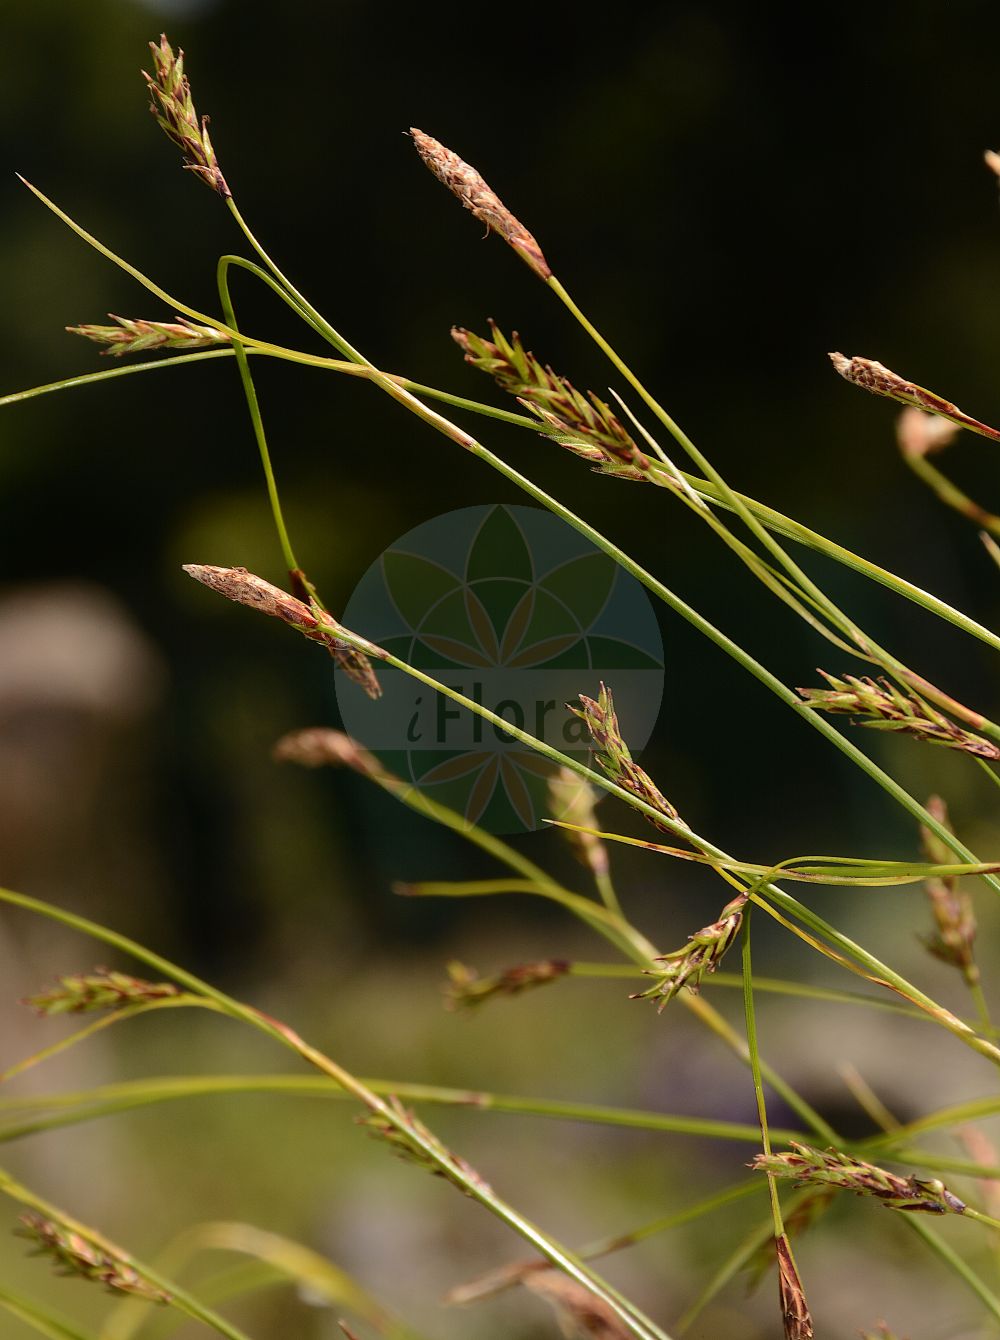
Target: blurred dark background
[[729, 194]]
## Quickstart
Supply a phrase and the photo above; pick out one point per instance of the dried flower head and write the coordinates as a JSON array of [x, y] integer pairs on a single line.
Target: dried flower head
[[314, 623], [135, 337], [922, 434], [466, 988], [75, 1255], [814, 1167], [954, 917], [580, 1313], [613, 753], [794, 1308], [583, 424], [880, 380], [172, 105], [881, 705], [572, 800], [701, 955], [797, 1221], [98, 990], [465, 182], [408, 1149]]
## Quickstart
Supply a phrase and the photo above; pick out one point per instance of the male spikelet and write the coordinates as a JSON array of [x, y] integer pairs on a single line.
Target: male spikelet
[[465, 182], [316, 624], [880, 380]]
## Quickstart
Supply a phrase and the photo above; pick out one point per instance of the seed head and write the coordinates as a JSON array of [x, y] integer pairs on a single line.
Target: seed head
[[406, 1148], [465, 182], [99, 990], [320, 747], [880, 380], [466, 989], [794, 1308], [173, 107], [579, 1311], [701, 955], [314, 623], [954, 917], [881, 705], [571, 800], [583, 424], [814, 1167], [75, 1255], [614, 756], [135, 337]]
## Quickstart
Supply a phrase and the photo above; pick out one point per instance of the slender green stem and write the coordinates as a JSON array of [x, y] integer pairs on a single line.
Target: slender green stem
[[253, 407], [179, 1298], [71, 1108], [955, 1262], [39, 1318], [98, 1025], [758, 1084], [607, 923], [413, 1135], [950, 494], [878, 971], [772, 519]]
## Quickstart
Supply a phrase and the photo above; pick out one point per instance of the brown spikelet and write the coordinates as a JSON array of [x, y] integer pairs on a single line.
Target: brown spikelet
[[831, 1167], [955, 926], [245, 588], [74, 1254], [465, 182], [880, 380], [319, 747], [794, 1308], [583, 424], [173, 107], [581, 1314], [466, 989], [880, 705], [614, 756]]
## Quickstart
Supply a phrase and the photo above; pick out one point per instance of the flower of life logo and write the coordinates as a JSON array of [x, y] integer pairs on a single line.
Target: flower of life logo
[[514, 609]]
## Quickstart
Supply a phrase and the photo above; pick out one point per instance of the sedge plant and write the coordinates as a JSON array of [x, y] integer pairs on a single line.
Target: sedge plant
[[796, 1173]]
